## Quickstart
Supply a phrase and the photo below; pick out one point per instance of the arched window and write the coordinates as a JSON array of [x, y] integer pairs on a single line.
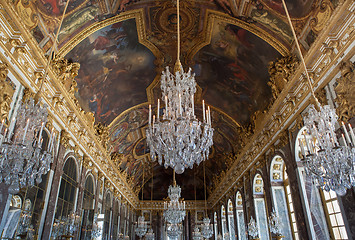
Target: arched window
[[107, 218], [26, 207], [240, 217], [215, 226], [67, 190], [88, 209], [231, 220], [310, 193], [223, 221], [260, 208], [278, 195]]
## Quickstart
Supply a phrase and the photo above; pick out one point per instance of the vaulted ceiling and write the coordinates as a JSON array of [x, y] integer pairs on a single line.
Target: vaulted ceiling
[[123, 45]]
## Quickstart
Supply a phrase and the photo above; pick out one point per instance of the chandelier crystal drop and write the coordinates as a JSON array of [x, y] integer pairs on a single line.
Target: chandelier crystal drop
[[174, 231], [330, 165], [141, 227], [23, 160], [150, 235], [206, 228], [174, 210]]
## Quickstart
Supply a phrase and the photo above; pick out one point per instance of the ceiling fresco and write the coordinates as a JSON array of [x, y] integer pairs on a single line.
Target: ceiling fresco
[[232, 71], [228, 43], [115, 69]]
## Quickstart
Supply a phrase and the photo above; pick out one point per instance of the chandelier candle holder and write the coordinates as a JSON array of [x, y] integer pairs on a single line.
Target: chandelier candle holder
[[141, 227], [330, 165], [253, 230], [196, 234], [174, 210], [23, 160], [178, 136]]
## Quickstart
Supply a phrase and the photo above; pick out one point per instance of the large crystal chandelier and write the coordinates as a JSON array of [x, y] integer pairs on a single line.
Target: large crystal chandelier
[[150, 235], [178, 136], [206, 227], [275, 224], [174, 231], [330, 165], [196, 234], [253, 230], [174, 210], [22, 159], [141, 227]]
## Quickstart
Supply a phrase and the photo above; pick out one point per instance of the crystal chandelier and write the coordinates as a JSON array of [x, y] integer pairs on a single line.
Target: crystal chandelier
[[96, 229], [196, 234], [253, 230], [141, 227], [65, 227], [275, 224], [174, 231], [178, 136], [174, 210], [206, 228], [150, 235], [22, 159], [330, 165]]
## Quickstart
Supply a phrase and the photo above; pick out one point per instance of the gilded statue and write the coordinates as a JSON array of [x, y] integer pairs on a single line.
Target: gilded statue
[[345, 91], [102, 133], [6, 93], [66, 72], [280, 72]]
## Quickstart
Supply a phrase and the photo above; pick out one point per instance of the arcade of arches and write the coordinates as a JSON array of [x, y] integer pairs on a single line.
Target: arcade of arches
[[104, 73]]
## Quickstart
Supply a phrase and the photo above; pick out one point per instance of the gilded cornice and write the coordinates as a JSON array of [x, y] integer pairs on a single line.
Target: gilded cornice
[[27, 66], [295, 97]]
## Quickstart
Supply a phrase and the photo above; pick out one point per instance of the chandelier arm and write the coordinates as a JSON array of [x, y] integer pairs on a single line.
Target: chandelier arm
[[52, 50], [300, 52]]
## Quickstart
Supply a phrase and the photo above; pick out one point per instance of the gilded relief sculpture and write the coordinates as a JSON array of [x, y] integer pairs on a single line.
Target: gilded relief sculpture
[[345, 91], [280, 73], [6, 93]]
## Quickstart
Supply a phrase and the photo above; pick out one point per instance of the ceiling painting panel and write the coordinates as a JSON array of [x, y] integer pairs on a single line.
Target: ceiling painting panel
[[232, 71], [115, 70]]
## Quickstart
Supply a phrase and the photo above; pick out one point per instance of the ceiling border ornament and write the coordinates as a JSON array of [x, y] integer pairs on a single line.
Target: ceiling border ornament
[[295, 96]]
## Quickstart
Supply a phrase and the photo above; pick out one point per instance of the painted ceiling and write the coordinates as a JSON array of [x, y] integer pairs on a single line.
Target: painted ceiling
[[122, 46]]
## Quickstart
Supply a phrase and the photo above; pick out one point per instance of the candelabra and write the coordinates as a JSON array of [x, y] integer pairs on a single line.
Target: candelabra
[[329, 164], [96, 229], [178, 136], [174, 231], [23, 160], [141, 227], [174, 210], [253, 230], [120, 236], [206, 228], [25, 229], [275, 224], [65, 227]]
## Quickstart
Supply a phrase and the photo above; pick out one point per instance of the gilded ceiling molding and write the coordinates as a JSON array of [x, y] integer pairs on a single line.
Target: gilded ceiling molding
[[210, 18], [281, 115]]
